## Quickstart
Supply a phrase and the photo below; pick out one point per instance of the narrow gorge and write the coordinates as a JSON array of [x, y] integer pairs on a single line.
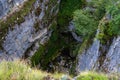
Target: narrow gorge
[[64, 36]]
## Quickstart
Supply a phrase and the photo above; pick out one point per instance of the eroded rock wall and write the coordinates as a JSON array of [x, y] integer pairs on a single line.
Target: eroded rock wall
[[34, 29], [112, 60], [6, 6]]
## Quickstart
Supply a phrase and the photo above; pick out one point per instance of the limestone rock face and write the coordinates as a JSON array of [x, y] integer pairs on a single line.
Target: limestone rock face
[[101, 57], [88, 59], [1, 8], [112, 61], [7, 5], [34, 29]]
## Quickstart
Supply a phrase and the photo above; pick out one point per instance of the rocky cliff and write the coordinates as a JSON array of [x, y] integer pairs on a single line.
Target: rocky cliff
[[64, 35], [103, 53], [25, 24]]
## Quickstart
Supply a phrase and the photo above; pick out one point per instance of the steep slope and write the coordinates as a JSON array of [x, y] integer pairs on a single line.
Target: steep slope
[[103, 53], [29, 24]]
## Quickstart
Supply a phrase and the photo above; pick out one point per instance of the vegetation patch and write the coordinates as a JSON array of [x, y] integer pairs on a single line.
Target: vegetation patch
[[50, 50], [19, 70], [114, 24], [17, 17], [67, 7], [84, 23], [91, 76], [97, 76]]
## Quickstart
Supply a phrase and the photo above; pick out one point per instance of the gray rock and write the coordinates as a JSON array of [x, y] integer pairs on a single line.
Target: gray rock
[[1, 9], [112, 61], [7, 5], [23, 36], [88, 59]]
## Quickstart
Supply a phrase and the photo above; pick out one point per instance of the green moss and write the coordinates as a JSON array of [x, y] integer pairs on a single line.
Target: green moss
[[37, 56], [103, 28], [53, 47], [53, 25], [41, 51], [83, 46]]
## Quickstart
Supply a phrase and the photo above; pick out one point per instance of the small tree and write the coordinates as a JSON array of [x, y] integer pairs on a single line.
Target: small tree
[[84, 23], [114, 26]]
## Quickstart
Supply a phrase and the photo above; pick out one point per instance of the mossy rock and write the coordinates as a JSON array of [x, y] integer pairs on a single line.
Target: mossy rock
[[15, 18], [50, 50], [36, 57]]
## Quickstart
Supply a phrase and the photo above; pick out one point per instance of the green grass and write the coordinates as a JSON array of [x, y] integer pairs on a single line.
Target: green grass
[[17, 70], [96, 76], [91, 76]]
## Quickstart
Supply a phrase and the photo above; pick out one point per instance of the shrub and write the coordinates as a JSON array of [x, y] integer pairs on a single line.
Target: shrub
[[114, 24], [67, 8], [99, 7], [84, 23]]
